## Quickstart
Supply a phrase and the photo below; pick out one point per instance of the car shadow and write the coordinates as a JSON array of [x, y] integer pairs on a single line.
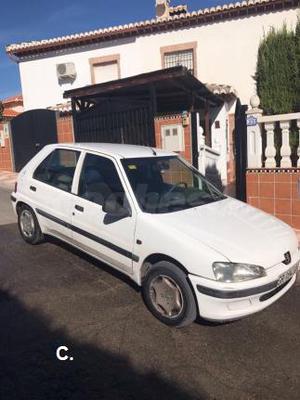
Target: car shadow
[[29, 368], [92, 260], [205, 322]]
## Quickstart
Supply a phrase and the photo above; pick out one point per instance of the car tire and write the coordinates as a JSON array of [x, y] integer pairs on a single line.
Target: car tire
[[29, 226], [168, 295]]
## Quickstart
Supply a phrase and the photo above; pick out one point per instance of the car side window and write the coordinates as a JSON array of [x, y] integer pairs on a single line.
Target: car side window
[[58, 169], [99, 180]]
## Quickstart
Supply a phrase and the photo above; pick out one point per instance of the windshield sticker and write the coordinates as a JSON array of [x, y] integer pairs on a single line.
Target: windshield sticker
[[132, 167]]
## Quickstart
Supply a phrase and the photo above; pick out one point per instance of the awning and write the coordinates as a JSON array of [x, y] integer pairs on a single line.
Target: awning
[[170, 90]]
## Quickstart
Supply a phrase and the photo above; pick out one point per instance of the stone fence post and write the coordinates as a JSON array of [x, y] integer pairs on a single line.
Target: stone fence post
[[254, 141]]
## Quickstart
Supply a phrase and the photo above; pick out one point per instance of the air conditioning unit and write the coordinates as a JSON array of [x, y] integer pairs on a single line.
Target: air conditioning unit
[[162, 9], [66, 71]]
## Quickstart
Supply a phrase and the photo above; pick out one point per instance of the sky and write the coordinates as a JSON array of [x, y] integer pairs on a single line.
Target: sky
[[23, 21]]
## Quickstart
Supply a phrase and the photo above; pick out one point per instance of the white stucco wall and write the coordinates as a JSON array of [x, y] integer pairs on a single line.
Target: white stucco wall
[[226, 53]]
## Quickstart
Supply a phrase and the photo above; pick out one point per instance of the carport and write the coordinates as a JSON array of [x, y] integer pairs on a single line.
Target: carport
[[123, 111]]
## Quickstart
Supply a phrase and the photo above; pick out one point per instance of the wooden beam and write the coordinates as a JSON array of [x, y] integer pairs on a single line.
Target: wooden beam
[[125, 83], [207, 125]]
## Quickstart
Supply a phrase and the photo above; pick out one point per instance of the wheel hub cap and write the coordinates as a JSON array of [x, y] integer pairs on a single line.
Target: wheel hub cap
[[166, 296], [27, 223]]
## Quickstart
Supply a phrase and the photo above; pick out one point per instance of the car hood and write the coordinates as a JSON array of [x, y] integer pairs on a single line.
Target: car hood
[[236, 230]]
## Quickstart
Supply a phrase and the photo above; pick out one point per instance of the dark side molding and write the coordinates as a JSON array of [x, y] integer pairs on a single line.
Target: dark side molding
[[90, 236], [235, 294]]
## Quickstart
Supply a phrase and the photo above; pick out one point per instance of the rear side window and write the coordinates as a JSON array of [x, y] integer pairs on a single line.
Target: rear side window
[[58, 169]]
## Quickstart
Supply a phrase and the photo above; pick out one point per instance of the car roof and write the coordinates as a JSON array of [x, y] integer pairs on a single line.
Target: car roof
[[117, 150]]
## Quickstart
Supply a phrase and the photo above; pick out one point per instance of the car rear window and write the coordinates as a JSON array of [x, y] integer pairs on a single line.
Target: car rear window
[[58, 169]]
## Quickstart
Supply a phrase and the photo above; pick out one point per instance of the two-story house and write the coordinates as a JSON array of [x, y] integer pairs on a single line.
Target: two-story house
[[218, 45]]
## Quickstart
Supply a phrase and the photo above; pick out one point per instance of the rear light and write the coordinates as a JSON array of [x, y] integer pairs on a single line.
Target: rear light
[[16, 187]]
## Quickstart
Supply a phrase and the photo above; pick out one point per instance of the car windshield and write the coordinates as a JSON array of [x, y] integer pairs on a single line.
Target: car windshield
[[168, 184]]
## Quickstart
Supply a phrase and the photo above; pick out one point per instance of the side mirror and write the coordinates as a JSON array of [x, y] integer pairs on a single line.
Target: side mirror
[[113, 208]]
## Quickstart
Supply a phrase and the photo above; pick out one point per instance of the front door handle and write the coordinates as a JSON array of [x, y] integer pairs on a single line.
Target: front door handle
[[33, 188], [79, 208]]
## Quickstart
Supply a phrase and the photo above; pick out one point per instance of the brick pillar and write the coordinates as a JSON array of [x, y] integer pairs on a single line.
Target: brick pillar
[[65, 132]]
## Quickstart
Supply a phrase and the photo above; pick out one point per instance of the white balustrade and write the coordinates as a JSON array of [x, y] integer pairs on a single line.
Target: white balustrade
[[257, 123], [270, 151], [285, 150]]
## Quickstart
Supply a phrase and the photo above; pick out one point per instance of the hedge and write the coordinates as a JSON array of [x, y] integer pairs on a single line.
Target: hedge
[[278, 71]]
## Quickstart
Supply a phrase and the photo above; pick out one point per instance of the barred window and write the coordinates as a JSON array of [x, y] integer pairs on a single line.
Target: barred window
[[184, 58]]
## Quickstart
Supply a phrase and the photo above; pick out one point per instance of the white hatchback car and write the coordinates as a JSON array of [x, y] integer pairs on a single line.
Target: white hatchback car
[[152, 216]]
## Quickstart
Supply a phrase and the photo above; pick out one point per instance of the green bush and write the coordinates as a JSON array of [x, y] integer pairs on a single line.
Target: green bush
[[277, 72]]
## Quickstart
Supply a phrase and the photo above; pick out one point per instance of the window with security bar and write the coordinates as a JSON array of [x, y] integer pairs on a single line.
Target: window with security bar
[[183, 58]]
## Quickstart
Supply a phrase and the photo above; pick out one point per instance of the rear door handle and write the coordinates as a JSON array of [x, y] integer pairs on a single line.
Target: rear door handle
[[33, 188], [79, 208]]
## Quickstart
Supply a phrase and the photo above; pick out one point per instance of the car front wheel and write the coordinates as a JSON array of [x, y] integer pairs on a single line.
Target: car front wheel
[[168, 295], [28, 226]]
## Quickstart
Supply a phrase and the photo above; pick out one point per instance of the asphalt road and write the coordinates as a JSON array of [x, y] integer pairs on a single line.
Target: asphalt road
[[51, 295]]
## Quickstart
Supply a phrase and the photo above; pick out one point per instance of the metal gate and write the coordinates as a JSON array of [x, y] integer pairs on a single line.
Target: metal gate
[[30, 132], [241, 150], [116, 121]]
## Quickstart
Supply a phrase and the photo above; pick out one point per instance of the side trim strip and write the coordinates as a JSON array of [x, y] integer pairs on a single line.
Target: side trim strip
[[234, 294], [52, 218], [90, 236]]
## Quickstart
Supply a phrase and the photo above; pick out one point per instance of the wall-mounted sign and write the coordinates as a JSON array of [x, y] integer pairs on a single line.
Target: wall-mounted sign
[[251, 121]]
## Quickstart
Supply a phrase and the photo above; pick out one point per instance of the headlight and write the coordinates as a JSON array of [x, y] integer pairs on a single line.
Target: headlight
[[232, 272]]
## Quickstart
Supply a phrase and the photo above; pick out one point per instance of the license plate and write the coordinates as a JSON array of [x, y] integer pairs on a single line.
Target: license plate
[[287, 275]]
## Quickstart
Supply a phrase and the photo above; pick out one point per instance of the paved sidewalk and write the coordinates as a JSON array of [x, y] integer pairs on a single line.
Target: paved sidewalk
[[8, 179]]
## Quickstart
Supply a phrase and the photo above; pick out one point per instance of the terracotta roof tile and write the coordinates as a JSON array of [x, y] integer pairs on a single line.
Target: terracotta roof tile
[[18, 98], [9, 113], [178, 10], [133, 29]]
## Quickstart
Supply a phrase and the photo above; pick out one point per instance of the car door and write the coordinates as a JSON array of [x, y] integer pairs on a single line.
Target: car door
[[50, 191], [109, 238]]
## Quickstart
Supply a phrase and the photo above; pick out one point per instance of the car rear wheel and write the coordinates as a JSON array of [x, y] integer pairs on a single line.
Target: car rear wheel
[[28, 226], [168, 295]]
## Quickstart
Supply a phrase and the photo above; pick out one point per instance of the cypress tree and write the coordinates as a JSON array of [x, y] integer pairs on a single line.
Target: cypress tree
[[277, 71], [297, 82]]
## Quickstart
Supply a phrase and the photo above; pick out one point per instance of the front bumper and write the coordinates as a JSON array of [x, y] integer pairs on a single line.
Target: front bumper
[[219, 301]]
